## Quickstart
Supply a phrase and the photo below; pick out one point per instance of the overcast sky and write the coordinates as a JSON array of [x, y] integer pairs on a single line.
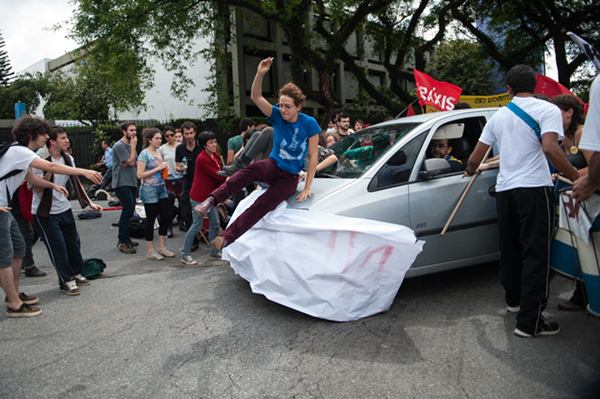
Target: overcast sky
[[25, 26]]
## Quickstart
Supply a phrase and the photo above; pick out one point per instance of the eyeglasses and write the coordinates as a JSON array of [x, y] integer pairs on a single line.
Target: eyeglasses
[[169, 135], [286, 106]]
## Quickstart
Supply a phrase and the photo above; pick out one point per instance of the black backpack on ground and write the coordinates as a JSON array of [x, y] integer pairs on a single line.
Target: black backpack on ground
[[136, 226]]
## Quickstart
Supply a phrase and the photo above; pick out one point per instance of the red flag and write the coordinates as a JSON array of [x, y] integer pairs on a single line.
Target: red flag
[[442, 95], [549, 86], [410, 111]]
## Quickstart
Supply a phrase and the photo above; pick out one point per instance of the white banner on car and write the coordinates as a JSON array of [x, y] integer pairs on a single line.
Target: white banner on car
[[328, 266]]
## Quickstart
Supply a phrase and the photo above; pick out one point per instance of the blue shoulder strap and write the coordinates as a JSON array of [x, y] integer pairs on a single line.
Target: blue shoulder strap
[[526, 118]]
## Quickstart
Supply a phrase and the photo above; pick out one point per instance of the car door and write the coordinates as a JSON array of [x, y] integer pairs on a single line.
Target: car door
[[387, 199], [472, 237]]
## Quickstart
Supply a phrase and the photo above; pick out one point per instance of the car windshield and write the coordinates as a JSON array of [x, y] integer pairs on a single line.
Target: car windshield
[[357, 152]]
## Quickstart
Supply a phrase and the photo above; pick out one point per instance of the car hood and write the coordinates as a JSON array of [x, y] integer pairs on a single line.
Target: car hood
[[322, 188]]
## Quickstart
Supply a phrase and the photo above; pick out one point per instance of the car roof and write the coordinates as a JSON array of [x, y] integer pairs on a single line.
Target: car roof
[[432, 116]]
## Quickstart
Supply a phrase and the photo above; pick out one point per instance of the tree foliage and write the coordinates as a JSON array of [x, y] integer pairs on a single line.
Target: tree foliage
[[6, 73], [86, 91], [89, 93], [465, 64], [167, 30], [318, 33], [529, 27]]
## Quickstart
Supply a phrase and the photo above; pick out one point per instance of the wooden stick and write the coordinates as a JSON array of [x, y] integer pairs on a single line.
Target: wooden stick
[[464, 194]]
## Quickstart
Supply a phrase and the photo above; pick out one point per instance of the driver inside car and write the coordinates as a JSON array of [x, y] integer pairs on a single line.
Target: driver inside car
[[441, 148]]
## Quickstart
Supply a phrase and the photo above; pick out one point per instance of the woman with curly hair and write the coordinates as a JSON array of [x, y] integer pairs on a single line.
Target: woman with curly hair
[[295, 134]]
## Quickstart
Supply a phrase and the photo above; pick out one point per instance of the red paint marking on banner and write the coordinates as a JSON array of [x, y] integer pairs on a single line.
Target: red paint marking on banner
[[386, 250]]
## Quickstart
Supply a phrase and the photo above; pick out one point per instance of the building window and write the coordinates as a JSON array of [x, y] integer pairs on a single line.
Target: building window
[[255, 26], [251, 58]]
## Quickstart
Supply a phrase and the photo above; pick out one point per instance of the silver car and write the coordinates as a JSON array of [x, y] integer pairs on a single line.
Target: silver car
[[387, 172]]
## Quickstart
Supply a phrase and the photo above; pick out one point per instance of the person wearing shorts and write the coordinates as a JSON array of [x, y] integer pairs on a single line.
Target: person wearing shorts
[[15, 166]]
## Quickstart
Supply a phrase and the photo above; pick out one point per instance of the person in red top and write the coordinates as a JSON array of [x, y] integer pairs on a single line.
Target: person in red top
[[206, 180]]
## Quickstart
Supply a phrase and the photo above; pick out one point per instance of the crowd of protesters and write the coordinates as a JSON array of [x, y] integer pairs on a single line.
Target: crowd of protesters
[[181, 175]]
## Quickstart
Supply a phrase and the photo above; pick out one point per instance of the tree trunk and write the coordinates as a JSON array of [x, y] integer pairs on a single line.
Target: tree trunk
[[326, 86], [562, 63]]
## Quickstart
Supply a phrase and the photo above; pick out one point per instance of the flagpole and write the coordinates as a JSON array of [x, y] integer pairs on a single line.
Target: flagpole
[[401, 112]]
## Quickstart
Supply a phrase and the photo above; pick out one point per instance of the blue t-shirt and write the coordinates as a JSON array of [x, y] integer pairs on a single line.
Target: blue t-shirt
[[108, 158], [290, 140], [151, 163]]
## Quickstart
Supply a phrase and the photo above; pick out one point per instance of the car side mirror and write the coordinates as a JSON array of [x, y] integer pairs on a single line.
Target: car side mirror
[[433, 167], [398, 159]]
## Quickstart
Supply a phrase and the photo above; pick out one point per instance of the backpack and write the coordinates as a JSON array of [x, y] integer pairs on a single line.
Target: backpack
[[3, 149], [136, 226], [89, 214], [93, 268]]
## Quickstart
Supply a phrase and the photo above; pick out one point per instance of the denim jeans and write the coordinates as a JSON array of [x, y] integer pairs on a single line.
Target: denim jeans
[[126, 195], [12, 244], [197, 222], [60, 235]]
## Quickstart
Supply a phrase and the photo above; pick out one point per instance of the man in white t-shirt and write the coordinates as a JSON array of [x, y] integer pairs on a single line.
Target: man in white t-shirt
[[15, 166], [524, 197], [590, 140], [53, 218]]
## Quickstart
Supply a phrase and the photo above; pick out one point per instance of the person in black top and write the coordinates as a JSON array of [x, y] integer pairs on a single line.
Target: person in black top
[[185, 159]]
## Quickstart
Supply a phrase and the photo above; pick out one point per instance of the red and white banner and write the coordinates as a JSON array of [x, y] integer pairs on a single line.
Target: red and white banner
[[442, 95]]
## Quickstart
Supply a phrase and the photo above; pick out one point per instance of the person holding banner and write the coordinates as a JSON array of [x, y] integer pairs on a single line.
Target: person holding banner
[[295, 134], [526, 132]]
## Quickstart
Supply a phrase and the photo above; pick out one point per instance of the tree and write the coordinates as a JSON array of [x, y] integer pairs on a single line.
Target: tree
[[26, 88], [527, 28], [87, 92], [396, 33], [464, 63], [167, 30], [6, 73]]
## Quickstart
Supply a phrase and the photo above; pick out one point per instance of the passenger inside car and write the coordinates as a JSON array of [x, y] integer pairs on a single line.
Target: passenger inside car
[[360, 155]]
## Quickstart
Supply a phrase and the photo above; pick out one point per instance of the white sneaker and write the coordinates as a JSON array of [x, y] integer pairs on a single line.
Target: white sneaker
[[81, 280], [70, 288], [166, 252], [188, 260], [153, 255]]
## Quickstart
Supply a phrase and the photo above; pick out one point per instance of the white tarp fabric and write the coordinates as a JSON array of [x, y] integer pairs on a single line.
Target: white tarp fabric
[[332, 267]]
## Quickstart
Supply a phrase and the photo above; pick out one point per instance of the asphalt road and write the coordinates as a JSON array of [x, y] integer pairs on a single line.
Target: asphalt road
[[152, 329]]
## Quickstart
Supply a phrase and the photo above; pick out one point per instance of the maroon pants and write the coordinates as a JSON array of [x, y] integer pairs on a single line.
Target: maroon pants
[[281, 186]]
